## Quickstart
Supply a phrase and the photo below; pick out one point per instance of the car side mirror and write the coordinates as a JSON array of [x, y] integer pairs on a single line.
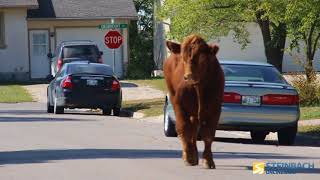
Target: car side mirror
[[49, 78], [101, 53], [49, 55]]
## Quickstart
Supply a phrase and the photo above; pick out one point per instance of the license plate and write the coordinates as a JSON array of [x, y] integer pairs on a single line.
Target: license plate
[[251, 100], [92, 82]]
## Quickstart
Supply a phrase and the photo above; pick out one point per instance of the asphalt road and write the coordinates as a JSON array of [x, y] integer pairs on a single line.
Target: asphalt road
[[73, 146]]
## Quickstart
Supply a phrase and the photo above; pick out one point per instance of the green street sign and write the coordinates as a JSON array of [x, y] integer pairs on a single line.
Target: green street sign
[[113, 26]]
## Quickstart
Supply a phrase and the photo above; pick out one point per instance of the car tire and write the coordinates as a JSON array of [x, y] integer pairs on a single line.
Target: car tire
[[258, 137], [287, 136], [169, 127], [116, 111], [106, 111], [57, 109], [50, 109]]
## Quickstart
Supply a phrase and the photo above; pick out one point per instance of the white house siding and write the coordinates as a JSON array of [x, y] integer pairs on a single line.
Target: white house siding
[[86, 30], [14, 58], [96, 35]]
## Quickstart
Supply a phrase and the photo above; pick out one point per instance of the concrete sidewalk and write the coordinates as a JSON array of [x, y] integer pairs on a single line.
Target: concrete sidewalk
[[312, 122]]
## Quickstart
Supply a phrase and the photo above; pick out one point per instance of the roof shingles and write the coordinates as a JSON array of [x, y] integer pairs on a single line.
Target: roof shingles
[[84, 9], [18, 3]]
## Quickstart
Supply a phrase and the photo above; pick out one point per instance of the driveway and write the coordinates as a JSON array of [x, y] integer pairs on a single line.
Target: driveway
[[130, 92], [36, 145]]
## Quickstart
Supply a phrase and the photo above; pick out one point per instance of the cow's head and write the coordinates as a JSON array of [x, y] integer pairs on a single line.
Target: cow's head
[[196, 55]]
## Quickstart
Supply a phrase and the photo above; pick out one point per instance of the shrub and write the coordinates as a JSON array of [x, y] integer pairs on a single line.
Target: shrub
[[309, 91]]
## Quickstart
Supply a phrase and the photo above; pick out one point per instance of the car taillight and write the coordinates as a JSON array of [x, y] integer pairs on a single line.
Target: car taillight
[[280, 99], [67, 83], [231, 97], [100, 60], [59, 64], [115, 85]]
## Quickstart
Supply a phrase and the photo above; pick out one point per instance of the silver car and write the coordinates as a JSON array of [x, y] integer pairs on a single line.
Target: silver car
[[257, 99]]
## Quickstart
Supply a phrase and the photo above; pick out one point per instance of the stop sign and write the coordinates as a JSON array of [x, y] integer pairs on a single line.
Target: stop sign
[[113, 39]]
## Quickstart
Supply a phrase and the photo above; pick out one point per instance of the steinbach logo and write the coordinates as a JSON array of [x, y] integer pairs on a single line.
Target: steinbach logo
[[258, 168], [281, 167]]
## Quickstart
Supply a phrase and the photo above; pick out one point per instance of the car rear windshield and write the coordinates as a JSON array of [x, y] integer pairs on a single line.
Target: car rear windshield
[[89, 52], [89, 69], [251, 73]]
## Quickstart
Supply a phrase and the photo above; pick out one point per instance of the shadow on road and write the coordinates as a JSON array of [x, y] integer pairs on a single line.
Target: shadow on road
[[22, 112], [45, 156], [7, 119], [300, 141]]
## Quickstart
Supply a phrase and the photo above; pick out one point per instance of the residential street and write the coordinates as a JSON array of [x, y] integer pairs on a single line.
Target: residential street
[[36, 145]]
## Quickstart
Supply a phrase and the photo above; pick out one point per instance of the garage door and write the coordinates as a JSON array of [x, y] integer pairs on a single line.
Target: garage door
[[96, 35]]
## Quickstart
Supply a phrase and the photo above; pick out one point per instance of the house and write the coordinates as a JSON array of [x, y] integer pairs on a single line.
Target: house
[[230, 50], [30, 29]]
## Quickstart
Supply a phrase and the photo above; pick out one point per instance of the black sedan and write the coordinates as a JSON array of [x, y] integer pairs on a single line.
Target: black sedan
[[84, 85]]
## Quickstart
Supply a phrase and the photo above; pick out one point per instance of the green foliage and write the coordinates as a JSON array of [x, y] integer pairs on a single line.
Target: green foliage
[[141, 41], [215, 18], [303, 25]]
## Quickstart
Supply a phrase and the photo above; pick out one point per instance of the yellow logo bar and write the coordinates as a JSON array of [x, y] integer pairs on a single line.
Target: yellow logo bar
[[258, 168]]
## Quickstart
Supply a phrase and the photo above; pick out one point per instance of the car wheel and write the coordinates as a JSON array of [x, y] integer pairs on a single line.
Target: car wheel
[[168, 126], [116, 111], [258, 137], [50, 109], [287, 136], [106, 111], [57, 109]]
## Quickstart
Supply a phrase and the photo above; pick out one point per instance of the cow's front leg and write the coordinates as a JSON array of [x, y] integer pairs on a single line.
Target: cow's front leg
[[207, 135], [185, 131]]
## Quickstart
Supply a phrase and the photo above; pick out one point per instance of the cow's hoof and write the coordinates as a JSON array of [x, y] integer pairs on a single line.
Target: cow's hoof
[[190, 161], [208, 164]]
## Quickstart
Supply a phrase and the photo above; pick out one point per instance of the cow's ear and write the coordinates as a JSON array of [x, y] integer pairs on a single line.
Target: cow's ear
[[174, 47], [214, 49]]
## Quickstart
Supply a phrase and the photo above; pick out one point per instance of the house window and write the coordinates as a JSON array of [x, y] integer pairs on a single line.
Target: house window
[[2, 37]]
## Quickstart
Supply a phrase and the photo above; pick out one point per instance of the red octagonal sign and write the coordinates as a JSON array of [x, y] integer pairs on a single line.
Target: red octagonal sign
[[113, 39]]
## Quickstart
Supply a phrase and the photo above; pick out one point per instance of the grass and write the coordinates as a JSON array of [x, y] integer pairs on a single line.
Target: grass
[[149, 108], [310, 130], [310, 113], [157, 83], [14, 94]]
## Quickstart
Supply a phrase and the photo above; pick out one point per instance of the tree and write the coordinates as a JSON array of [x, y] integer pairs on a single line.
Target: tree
[[216, 18], [303, 21], [141, 41]]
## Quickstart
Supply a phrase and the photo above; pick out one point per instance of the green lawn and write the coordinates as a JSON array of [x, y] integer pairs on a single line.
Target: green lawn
[[310, 130], [158, 83], [149, 108], [14, 94], [310, 113]]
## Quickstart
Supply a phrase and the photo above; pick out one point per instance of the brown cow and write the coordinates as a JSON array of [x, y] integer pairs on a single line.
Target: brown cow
[[195, 81]]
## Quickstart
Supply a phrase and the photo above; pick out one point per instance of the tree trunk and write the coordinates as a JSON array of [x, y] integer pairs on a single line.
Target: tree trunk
[[274, 42], [310, 74]]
